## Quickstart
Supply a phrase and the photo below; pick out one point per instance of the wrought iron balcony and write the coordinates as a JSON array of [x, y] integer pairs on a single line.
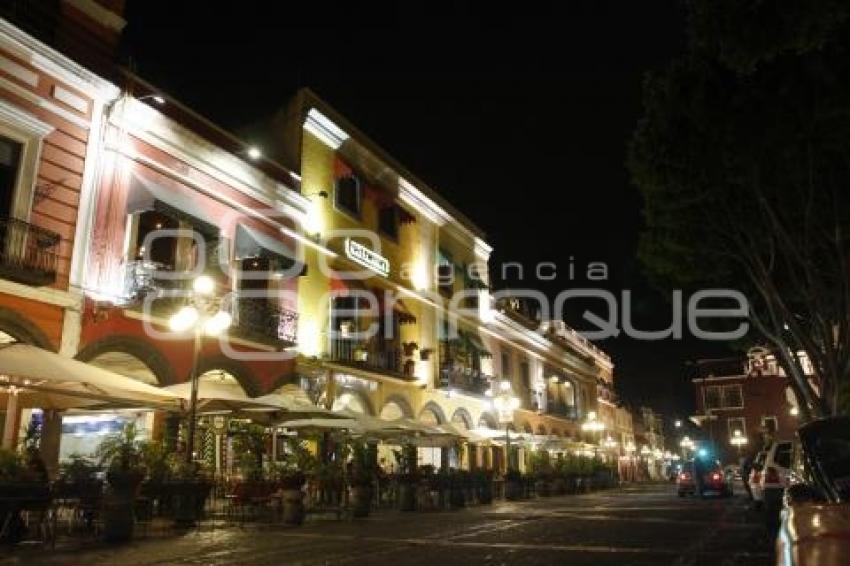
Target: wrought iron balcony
[[470, 380], [561, 409], [28, 253], [385, 358], [257, 318]]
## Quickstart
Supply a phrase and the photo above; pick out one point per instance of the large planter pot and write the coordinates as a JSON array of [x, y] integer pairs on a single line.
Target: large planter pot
[[514, 490], [293, 506], [558, 486], [484, 493], [541, 488], [361, 500], [118, 505], [188, 500], [407, 496]]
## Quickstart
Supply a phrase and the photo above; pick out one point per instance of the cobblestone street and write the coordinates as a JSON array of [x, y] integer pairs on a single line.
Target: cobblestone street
[[639, 525]]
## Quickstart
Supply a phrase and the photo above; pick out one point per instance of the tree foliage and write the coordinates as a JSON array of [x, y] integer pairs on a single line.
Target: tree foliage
[[743, 159]]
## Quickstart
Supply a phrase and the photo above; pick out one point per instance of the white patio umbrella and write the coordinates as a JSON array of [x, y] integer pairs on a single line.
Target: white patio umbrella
[[214, 397], [39, 375]]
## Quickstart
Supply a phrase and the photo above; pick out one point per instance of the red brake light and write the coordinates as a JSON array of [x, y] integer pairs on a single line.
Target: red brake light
[[684, 477], [715, 476], [771, 475]]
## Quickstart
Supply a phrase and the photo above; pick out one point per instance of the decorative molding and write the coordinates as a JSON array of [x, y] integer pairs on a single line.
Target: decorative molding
[[18, 71], [482, 249], [418, 201], [323, 128], [77, 103], [152, 127], [54, 63], [99, 14], [43, 103], [48, 295], [23, 120]]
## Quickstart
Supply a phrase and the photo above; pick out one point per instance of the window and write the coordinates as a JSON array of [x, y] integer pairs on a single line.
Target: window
[[506, 365], [783, 455], [347, 194], [737, 423], [770, 424], [388, 221], [10, 163], [711, 397], [525, 375], [732, 397], [445, 272]]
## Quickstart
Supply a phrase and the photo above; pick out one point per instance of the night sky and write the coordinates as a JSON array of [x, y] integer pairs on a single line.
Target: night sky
[[519, 115]]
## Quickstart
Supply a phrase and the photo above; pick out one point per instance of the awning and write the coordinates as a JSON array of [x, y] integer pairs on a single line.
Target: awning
[[400, 309], [30, 368], [148, 195], [251, 243], [474, 343]]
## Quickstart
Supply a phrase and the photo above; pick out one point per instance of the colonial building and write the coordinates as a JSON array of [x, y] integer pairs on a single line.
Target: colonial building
[[747, 397], [51, 114]]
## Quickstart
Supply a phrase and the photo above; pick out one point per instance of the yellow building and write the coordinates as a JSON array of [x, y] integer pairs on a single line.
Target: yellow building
[[395, 315]]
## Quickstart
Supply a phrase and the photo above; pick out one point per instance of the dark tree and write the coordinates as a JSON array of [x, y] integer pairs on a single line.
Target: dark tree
[[743, 159]]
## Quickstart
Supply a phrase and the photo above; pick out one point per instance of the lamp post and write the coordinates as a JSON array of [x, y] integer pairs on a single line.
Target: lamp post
[[737, 441], [505, 404], [593, 425], [203, 316], [687, 444]]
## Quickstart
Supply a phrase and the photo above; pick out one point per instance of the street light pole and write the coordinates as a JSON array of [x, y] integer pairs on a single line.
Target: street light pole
[[202, 315]]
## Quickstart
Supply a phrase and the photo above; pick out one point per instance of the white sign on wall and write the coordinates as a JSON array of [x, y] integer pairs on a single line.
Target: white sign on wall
[[366, 257]]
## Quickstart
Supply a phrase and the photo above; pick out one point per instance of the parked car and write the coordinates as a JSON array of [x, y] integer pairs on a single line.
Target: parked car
[[710, 477], [815, 526], [755, 478], [703, 476], [685, 482], [774, 478]]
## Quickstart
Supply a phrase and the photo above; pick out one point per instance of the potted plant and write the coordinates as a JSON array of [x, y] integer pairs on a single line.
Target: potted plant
[[558, 485], [513, 485], [362, 477], [407, 476], [120, 453], [189, 490], [78, 480], [292, 476], [22, 476], [458, 484], [540, 468], [482, 481]]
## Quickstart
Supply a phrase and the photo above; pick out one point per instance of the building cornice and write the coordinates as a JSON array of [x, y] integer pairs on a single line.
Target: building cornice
[[324, 129], [52, 62], [106, 18], [24, 120]]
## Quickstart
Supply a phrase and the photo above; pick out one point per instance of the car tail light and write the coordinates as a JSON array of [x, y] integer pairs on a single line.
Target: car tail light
[[771, 475], [684, 477], [715, 476], [756, 477]]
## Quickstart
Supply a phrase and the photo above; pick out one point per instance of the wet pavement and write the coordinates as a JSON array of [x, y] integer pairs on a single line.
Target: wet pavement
[[636, 525]]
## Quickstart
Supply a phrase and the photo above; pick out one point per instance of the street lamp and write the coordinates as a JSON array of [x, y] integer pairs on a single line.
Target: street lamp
[[738, 440], [203, 315], [687, 444], [505, 404], [678, 423]]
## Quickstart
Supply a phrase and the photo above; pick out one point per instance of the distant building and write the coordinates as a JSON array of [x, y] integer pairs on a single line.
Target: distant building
[[746, 397], [649, 438]]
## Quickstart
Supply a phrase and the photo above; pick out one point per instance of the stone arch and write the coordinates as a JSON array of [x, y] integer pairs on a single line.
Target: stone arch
[[401, 403], [353, 400], [541, 429], [23, 330], [435, 410], [461, 416], [244, 376], [138, 349], [487, 420], [526, 428]]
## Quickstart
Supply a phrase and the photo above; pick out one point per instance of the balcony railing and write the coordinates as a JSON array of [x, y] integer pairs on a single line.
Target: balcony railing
[[258, 318], [561, 409], [385, 358], [465, 379], [28, 253]]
